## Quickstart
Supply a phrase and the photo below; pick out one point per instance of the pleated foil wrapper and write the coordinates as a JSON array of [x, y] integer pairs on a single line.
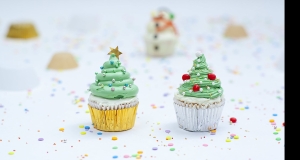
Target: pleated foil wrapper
[[195, 118], [113, 117], [113, 120]]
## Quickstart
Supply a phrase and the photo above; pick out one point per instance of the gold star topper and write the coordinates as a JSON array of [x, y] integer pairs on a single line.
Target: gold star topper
[[115, 51]]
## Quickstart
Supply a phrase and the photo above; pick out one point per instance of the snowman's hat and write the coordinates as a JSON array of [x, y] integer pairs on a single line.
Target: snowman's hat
[[164, 13]]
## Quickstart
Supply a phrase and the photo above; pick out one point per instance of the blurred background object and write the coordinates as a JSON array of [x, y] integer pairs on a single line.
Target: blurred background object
[[62, 61], [162, 36], [22, 30], [235, 31]]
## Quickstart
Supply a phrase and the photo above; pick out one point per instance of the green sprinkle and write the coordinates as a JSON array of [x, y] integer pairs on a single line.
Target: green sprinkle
[[134, 155], [172, 149], [115, 147], [275, 133], [278, 139]]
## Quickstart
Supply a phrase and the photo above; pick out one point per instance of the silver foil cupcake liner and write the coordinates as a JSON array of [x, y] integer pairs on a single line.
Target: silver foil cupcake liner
[[199, 119]]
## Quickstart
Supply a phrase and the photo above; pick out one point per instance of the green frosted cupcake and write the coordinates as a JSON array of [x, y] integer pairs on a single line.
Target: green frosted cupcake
[[199, 101], [113, 100]]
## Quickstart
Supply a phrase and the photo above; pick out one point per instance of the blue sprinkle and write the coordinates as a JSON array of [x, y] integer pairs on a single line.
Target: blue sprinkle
[[246, 107], [274, 114], [126, 84], [101, 67], [99, 133], [111, 62], [87, 127], [59, 82], [115, 156], [26, 110], [110, 85]]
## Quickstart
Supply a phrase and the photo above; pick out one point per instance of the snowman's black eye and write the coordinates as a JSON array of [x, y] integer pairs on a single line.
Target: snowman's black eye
[[157, 25]]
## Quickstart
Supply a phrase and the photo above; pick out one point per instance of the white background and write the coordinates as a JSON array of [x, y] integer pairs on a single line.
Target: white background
[[250, 70]]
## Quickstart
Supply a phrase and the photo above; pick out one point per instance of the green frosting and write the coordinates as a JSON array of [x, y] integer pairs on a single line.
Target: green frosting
[[199, 75], [114, 81]]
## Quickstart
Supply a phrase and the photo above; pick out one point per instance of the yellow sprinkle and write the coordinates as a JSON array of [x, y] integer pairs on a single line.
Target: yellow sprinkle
[[87, 111], [114, 138], [79, 106], [278, 129], [242, 108], [11, 153], [61, 129], [168, 138], [236, 137], [81, 126], [271, 120], [158, 123], [140, 152], [228, 140], [82, 133], [86, 155]]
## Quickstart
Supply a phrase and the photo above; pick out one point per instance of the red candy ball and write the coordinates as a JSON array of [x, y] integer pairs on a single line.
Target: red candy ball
[[283, 123], [185, 77], [196, 88], [211, 76], [233, 120]]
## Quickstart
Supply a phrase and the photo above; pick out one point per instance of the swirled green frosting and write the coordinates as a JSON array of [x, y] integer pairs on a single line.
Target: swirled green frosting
[[114, 81], [199, 75]]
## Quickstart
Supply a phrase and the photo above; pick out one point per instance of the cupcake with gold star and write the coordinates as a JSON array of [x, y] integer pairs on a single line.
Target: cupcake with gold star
[[113, 100]]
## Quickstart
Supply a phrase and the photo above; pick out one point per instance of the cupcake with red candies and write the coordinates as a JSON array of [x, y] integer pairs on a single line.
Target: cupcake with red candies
[[199, 101]]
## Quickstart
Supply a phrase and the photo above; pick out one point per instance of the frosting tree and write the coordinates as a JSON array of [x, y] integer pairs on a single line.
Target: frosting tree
[[114, 81], [200, 82]]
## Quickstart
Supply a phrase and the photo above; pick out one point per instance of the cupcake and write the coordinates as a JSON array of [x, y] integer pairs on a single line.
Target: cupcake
[[113, 100], [22, 30], [161, 37], [199, 101]]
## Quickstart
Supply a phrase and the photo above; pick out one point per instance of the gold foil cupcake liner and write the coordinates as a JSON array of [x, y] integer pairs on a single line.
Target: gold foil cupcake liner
[[199, 119], [113, 120]]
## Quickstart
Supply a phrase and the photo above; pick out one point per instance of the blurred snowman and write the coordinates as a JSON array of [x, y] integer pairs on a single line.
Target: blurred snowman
[[161, 37]]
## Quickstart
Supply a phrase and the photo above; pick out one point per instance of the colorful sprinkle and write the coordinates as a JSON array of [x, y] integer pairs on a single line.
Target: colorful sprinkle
[[172, 149], [274, 114], [114, 138], [278, 139], [115, 147], [99, 133], [11, 153], [126, 156], [154, 148], [271, 120], [115, 157], [83, 133], [40, 139], [170, 144], [205, 145]]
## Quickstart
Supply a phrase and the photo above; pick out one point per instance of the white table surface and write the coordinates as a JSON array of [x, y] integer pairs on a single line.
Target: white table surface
[[249, 69]]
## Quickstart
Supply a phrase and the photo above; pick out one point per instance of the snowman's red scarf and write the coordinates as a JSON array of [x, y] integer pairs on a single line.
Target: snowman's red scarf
[[167, 23]]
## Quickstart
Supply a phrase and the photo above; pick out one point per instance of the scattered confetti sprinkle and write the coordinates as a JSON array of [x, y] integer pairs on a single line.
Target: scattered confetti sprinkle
[[11, 153], [278, 139], [172, 149], [274, 114], [83, 133], [233, 120], [275, 133], [99, 133], [236, 137], [154, 148], [114, 138], [228, 140], [126, 156], [115, 147], [205, 145], [40, 139], [81, 126], [278, 129], [61, 129], [271, 120], [167, 131], [115, 157], [170, 144]]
